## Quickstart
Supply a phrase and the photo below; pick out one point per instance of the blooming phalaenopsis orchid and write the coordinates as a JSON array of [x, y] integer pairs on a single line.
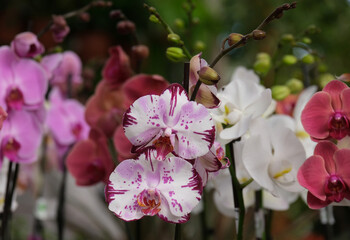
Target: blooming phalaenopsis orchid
[[242, 100], [171, 123], [65, 119], [327, 114], [20, 137], [26, 44], [146, 186], [326, 175], [23, 81]]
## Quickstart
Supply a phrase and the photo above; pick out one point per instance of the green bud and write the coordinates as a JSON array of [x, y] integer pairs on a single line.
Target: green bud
[[179, 23], [174, 38], [154, 19], [175, 54], [199, 46], [262, 67], [58, 49], [289, 60], [195, 20], [322, 68], [287, 38], [234, 38], [208, 76], [308, 59], [280, 92], [263, 56], [186, 6], [306, 40], [258, 34], [295, 85], [312, 29], [38, 58], [325, 78]]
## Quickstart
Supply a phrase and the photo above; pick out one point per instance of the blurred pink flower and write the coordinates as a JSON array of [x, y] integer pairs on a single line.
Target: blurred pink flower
[[59, 28], [287, 105], [89, 161], [26, 44], [327, 113], [148, 187], [23, 82], [122, 145], [3, 116], [326, 175]]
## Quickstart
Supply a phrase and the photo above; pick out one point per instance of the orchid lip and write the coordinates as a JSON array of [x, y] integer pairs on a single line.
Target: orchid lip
[[14, 99], [338, 125], [10, 147], [335, 188], [149, 200]]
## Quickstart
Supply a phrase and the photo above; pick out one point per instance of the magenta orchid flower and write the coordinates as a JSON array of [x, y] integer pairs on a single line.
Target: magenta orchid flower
[[65, 119], [148, 187], [20, 137], [23, 81], [326, 175], [171, 123], [327, 114], [26, 44]]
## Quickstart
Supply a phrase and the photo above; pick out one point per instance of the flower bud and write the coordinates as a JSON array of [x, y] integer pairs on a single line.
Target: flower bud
[[59, 28], [199, 46], [306, 40], [139, 52], [324, 79], [308, 59], [195, 20], [280, 92], [174, 38], [154, 19], [234, 38], [116, 14], [263, 56], [175, 54], [287, 38], [295, 85], [258, 34], [344, 77], [289, 60], [179, 23], [262, 67], [26, 44], [125, 27], [208, 76], [85, 17]]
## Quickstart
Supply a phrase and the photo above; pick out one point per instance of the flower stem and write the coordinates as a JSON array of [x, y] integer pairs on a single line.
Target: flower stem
[[204, 227], [186, 82], [112, 151], [61, 203], [177, 231]]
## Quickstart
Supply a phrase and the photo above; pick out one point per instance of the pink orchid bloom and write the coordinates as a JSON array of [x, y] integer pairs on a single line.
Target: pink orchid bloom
[[89, 160], [26, 44], [59, 28], [171, 123], [23, 82], [287, 105], [206, 94], [62, 66], [65, 119], [148, 187], [117, 68], [326, 175], [122, 145], [327, 114], [105, 109], [20, 137]]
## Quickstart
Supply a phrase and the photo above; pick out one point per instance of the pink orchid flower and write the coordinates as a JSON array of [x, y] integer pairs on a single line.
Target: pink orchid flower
[[122, 145], [20, 137], [89, 160], [206, 94], [171, 123], [148, 187], [23, 82], [326, 175], [327, 114], [65, 119], [26, 44], [59, 28]]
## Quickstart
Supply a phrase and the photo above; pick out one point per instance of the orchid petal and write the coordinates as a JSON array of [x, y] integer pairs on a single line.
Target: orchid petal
[[316, 203], [342, 161], [259, 106], [334, 89], [326, 150]]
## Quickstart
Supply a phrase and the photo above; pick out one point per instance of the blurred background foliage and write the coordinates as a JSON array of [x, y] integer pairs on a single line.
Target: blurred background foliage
[[214, 20]]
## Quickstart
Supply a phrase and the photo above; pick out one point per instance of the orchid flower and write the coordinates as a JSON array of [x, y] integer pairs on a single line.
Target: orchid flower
[[326, 175], [171, 123], [242, 100], [148, 187], [272, 156], [327, 114], [23, 82], [26, 44]]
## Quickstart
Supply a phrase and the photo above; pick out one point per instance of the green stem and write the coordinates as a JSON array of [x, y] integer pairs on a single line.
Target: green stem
[[268, 225], [246, 183], [204, 226], [177, 231], [112, 151]]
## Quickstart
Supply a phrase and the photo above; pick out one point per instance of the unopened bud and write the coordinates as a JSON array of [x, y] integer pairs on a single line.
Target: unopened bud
[[280, 92], [125, 27], [208, 76], [322, 68], [195, 20], [289, 60], [116, 14], [287, 38], [99, 4], [140, 52], [306, 40], [324, 79], [59, 28], [295, 85], [175, 54], [179, 23], [234, 38], [312, 29], [263, 56], [85, 17], [174, 38], [153, 18], [258, 34], [308, 59], [344, 77], [199, 46], [262, 67]]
